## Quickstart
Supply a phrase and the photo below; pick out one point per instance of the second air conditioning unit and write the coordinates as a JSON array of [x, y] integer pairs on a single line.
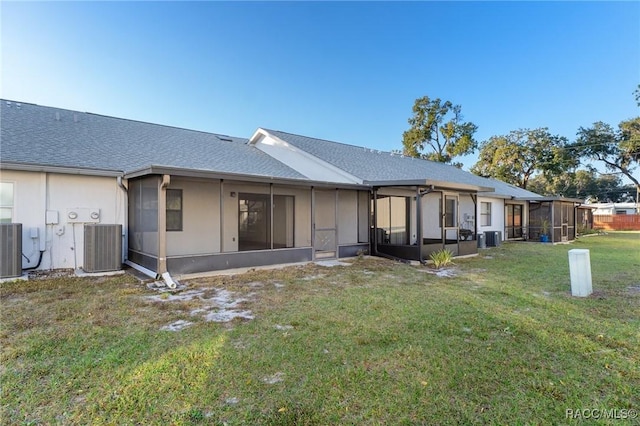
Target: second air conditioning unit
[[102, 248]]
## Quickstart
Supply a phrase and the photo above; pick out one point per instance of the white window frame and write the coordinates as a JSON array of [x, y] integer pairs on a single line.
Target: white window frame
[[13, 199]]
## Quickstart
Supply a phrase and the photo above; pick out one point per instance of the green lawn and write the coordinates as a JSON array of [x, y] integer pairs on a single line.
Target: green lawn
[[377, 342]]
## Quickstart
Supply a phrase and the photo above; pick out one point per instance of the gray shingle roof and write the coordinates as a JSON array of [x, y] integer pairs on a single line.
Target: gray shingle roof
[[503, 189], [47, 136], [372, 165]]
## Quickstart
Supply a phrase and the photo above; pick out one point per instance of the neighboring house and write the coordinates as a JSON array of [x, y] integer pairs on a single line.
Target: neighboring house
[[189, 201], [614, 208], [615, 216]]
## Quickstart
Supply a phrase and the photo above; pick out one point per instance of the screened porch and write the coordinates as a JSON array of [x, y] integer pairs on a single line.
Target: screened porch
[[412, 223]]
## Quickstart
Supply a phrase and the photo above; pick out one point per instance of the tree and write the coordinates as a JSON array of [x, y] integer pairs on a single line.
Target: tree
[[517, 157], [618, 149], [438, 128], [636, 93], [582, 184]]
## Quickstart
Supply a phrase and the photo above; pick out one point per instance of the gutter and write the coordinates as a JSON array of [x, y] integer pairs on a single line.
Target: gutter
[[28, 167]]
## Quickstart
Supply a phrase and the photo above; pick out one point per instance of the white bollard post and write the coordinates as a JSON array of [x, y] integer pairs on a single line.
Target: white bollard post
[[580, 271]]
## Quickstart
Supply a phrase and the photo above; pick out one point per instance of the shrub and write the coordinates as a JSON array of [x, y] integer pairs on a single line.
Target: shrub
[[441, 258]]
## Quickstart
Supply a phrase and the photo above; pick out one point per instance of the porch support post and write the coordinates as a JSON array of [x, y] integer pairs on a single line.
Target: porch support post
[[419, 223], [162, 223], [457, 219], [271, 215], [443, 232], [221, 237], [337, 218], [553, 222], [313, 223], [374, 245]]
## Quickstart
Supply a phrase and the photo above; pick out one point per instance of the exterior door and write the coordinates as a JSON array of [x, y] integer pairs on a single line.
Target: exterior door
[[514, 221], [450, 222], [325, 239]]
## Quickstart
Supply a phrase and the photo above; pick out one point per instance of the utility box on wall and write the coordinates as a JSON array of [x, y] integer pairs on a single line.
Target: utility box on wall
[[102, 248], [10, 250]]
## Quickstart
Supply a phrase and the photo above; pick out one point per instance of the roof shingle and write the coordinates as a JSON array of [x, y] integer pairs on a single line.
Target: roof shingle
[[34, 134]]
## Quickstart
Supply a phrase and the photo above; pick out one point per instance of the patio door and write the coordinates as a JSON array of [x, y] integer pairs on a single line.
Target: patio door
[[325, 241], [513, 223], [450, 222]]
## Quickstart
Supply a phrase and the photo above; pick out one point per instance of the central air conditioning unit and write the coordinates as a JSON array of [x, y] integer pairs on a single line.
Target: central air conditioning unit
[[102, 248], [10, 250], [493, 238]]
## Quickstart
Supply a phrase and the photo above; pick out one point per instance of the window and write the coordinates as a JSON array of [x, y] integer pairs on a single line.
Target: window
[[450, 213], [174, 209], [6, 202], [254, 221], [485, 214]]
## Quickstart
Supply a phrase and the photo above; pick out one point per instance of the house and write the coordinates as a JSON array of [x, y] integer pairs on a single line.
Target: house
[[615, 216], [183, 201], [614, 208]]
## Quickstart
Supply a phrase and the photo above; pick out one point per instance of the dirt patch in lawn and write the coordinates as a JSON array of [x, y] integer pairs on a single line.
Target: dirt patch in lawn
[[213, 305]]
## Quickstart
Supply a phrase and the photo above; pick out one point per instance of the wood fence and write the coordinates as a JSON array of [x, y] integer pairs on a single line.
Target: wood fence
[[617, 222]]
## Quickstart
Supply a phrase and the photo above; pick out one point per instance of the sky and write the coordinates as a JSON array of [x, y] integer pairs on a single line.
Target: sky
[[343, 71]]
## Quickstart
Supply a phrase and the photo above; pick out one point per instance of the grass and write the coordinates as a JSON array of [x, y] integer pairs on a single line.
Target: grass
[[378, 342]]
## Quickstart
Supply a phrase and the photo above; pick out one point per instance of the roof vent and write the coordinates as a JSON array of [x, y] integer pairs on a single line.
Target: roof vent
[[8, 103], [57, 116], [224, 138]]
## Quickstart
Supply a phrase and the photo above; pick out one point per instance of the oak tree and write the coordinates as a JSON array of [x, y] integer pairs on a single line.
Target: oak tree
[[438, 131], [518, 156], [619, 149]]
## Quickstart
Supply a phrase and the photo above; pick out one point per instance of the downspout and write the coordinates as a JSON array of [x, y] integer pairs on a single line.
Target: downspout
[[162, 232], [125, 219]]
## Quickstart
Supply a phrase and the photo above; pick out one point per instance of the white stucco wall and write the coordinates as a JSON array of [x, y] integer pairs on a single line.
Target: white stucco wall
[[35, 193], [200, 218], [497, 215]]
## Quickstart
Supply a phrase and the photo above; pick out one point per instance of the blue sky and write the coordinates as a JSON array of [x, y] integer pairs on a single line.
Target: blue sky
[[348, 72]]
